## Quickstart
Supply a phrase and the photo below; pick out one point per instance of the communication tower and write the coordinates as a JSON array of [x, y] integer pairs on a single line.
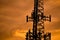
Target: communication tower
[[38, 18]]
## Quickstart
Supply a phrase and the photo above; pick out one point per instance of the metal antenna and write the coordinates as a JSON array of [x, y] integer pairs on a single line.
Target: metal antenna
[[38, 19]]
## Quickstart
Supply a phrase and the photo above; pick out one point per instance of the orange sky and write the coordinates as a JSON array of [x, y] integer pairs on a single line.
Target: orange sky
[[13, 23]]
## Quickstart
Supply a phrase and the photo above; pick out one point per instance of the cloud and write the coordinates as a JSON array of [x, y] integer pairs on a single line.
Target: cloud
[[13, 16]]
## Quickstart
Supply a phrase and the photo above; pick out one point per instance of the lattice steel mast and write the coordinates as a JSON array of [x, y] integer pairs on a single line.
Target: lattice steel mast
[[38, 19]]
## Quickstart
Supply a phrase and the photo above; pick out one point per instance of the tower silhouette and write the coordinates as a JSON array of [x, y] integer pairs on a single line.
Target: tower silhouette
[[38, 18]]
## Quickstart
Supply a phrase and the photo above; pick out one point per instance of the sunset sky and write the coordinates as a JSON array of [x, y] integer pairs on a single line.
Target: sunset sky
[[13, 25]]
